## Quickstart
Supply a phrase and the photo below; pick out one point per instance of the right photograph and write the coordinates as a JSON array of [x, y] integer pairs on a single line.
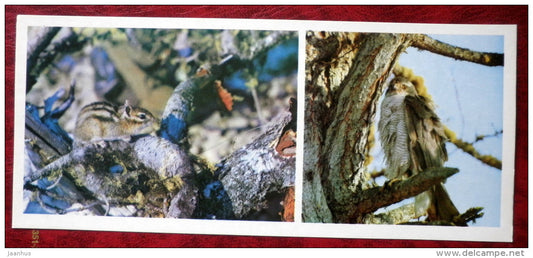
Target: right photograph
[[403, 129]]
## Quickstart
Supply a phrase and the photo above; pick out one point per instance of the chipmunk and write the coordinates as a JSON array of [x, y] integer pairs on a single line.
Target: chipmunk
[[102, 120]]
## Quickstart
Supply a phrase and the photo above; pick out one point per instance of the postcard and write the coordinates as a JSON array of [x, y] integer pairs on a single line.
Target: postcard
[[265, 127]]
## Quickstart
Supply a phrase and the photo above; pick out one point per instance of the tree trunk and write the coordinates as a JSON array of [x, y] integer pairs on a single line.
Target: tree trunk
[[343, 87]]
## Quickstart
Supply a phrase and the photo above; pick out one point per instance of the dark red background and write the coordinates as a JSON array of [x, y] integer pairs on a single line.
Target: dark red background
[[419, 14]]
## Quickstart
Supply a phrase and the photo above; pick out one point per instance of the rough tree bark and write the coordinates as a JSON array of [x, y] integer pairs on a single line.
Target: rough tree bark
[[262, 170], [345, 77], [342, 131]]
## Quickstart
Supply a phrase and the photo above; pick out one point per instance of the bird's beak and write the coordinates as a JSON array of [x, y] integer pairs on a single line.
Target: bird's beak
[[393, 87]]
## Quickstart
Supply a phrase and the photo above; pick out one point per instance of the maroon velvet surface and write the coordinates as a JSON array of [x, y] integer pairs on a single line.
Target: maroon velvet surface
[[419, 14]]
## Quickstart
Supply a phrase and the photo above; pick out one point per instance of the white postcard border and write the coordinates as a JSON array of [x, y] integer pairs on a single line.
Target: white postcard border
[[503, 233]]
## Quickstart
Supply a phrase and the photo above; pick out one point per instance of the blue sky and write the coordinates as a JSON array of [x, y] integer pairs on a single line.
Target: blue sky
[[469, 99]]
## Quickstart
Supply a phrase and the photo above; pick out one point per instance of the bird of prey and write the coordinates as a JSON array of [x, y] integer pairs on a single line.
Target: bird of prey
[[413, 140]]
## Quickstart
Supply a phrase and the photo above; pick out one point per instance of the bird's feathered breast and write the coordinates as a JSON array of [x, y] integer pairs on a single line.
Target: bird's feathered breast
[[394, 136], [412, 136], [413, 141]]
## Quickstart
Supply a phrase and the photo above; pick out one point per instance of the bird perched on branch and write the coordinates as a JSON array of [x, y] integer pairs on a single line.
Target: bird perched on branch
[[413, 140]]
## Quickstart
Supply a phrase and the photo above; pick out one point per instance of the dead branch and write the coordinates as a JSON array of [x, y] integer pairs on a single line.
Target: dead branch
[[261, 46], [257, 173], [150, 173], [460, 220], [425, 42], [394, 191], [47, 46], [36, 45], [43, 134], [482, 137], [471, 214], [40, 135], [395, 216]]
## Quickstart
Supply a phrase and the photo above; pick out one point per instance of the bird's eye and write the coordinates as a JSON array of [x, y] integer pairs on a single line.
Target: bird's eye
[[142, 116]]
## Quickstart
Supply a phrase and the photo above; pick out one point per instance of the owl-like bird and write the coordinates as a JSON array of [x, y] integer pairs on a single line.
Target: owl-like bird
[[413, 140]]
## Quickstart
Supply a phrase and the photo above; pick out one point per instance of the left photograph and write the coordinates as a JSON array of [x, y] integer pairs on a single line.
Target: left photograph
[[161, 123]]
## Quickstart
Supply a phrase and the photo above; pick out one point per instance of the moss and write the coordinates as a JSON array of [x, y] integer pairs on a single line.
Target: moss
[[137, 198]]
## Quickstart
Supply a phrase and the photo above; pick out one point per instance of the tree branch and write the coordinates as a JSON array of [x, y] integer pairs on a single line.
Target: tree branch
[[264, 44], [460, 220], [42, 136], [44, 50], [397, 190], [259, 172], [425, 42], [470, 149], [356, 102], [403, 213], [120, 172], [36, 45]]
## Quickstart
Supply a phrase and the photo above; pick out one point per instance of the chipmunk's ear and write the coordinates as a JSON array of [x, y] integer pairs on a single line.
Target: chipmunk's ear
[[127, 109]]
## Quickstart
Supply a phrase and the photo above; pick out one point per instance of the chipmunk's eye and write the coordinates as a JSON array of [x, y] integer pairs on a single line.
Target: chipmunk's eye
[[142, 116]]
